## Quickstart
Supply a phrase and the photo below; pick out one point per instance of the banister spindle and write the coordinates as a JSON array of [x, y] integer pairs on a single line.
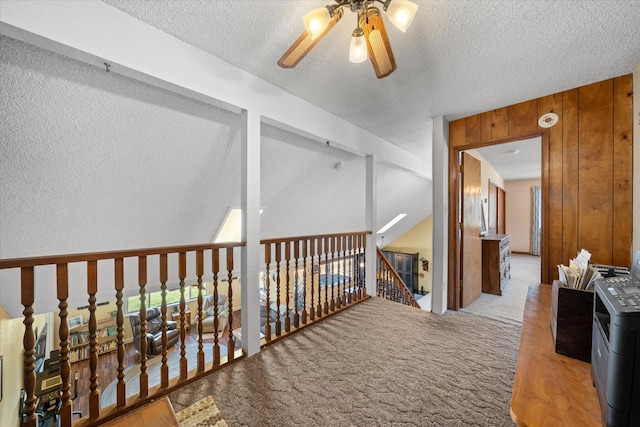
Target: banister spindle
[[267, 262], [312, 255], [343, 245], [304, 281], [164, 276], [62, 288], [319, 250], [287, 256], [92, 289], [332, 246], [351, 269], [278, 259], [27, 296], [215, 267], [326, 271], [296, 308], [232, 341], [199, 273], [142, 282], [121, 400], [182, 267], [340, 272]]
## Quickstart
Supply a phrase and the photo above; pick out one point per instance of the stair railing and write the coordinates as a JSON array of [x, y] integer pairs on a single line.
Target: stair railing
[[389, 284]]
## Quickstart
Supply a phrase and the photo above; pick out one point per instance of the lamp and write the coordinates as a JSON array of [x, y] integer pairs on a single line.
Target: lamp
[[370, 31]]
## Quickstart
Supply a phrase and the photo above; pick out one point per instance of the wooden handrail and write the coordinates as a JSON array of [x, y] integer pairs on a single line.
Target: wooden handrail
[[312, 237], [98, 256], [395, 281]]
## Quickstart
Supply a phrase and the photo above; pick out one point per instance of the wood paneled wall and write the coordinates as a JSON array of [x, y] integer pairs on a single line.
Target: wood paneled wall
[[587, 167]]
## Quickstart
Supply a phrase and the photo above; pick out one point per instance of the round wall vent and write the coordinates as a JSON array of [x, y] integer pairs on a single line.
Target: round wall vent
[[548, 120]]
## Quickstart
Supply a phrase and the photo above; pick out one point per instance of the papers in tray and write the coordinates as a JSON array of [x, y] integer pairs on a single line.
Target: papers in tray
[[579, 274]]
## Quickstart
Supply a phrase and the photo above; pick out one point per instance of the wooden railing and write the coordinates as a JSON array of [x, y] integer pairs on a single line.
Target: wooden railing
[[389, 285], [314, 277], [319, 275]]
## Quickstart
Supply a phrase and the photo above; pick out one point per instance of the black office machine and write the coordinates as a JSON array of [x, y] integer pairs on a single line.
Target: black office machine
[[615, 352]]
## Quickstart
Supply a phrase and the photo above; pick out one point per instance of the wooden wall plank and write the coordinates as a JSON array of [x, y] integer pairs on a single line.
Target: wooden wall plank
[[523, 118], [570, 175], [622, 169], [457, 133], [595, 175], [553, 103], [500, 123], [473, 129]]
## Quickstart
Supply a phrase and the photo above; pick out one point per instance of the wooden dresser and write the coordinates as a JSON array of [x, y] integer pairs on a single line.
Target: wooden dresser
[[496, 268]]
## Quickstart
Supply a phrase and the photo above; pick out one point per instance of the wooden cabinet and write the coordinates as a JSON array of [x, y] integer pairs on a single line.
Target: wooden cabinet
[[106, 334], [496, 267]]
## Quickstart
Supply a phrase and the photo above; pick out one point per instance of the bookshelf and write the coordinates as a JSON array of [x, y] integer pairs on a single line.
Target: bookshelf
[[106, 334]]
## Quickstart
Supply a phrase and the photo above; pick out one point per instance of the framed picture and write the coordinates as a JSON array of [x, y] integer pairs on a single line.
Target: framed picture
[[74, 322]]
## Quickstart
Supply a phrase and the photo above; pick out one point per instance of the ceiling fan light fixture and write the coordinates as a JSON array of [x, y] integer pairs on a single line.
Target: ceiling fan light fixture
[[358, 47], [378, 45], [317, 21], [400, 13]]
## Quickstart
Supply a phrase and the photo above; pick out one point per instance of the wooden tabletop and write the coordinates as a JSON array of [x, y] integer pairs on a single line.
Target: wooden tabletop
[[550, 389], [155, 414]]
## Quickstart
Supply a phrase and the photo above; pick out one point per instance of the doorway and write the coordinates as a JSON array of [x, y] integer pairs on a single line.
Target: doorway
[[510, 171]]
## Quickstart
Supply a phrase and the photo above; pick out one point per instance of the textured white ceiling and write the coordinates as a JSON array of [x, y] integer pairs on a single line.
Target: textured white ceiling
[[515, 160], [457, 58]]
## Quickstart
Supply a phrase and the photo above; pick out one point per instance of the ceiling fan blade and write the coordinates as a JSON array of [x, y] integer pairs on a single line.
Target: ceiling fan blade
[[378, 45], [303, 45]]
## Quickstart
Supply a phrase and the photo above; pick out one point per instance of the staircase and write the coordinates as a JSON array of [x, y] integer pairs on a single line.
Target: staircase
[[389, 284]]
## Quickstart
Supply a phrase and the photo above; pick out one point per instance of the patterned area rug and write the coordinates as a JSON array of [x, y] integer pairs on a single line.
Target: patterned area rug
[[204, 413]]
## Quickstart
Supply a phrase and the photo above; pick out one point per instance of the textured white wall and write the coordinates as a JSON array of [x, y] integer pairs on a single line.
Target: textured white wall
[[519, 213]]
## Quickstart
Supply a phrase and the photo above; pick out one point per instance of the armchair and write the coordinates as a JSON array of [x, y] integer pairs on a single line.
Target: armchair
[[154, 331], [208, 310]]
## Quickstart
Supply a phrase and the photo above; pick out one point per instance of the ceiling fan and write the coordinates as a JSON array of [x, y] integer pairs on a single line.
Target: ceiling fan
[[369, 32]]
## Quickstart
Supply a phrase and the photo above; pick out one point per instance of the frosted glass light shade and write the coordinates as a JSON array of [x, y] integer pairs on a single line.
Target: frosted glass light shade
[[358, 49], [317, 21], [401, 13]]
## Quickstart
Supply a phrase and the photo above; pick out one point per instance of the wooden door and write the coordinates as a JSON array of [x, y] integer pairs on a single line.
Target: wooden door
[[492, 204], [471, 253], [501, 210]]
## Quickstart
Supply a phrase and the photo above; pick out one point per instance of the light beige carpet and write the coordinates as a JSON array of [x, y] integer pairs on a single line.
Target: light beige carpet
[[378, 363]]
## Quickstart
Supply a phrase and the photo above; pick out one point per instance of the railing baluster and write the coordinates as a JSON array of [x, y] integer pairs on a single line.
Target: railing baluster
[[351, 269], [232, 341], [340, 272], [319, 250], [328, 279], [164, 276], [304, 281], [92, 289], [312, 254], [27, 295], [296, 308], [142, 282], [362, 292], [267, 308], [62, 289], [182, 267], [344, 270], [278, 259], [332, 246], [199, 273], [119, 286], [287, 256], [215, 266]]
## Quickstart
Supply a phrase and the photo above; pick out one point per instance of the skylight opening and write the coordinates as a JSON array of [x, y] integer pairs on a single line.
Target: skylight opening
[[231, 230], [391, 223]]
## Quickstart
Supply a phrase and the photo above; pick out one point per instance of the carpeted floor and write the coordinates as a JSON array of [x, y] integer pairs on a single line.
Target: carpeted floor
[[376, 364]]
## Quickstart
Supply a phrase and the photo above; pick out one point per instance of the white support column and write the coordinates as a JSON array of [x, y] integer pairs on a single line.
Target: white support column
[[250, 203], [440, 214], [371, 202]]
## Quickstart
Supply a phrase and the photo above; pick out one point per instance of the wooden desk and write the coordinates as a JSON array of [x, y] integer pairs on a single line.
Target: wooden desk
[[549, 389], [157, 413]]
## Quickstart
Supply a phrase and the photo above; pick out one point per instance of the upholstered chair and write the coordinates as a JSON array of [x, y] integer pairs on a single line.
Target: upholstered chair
[[208, 310]]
